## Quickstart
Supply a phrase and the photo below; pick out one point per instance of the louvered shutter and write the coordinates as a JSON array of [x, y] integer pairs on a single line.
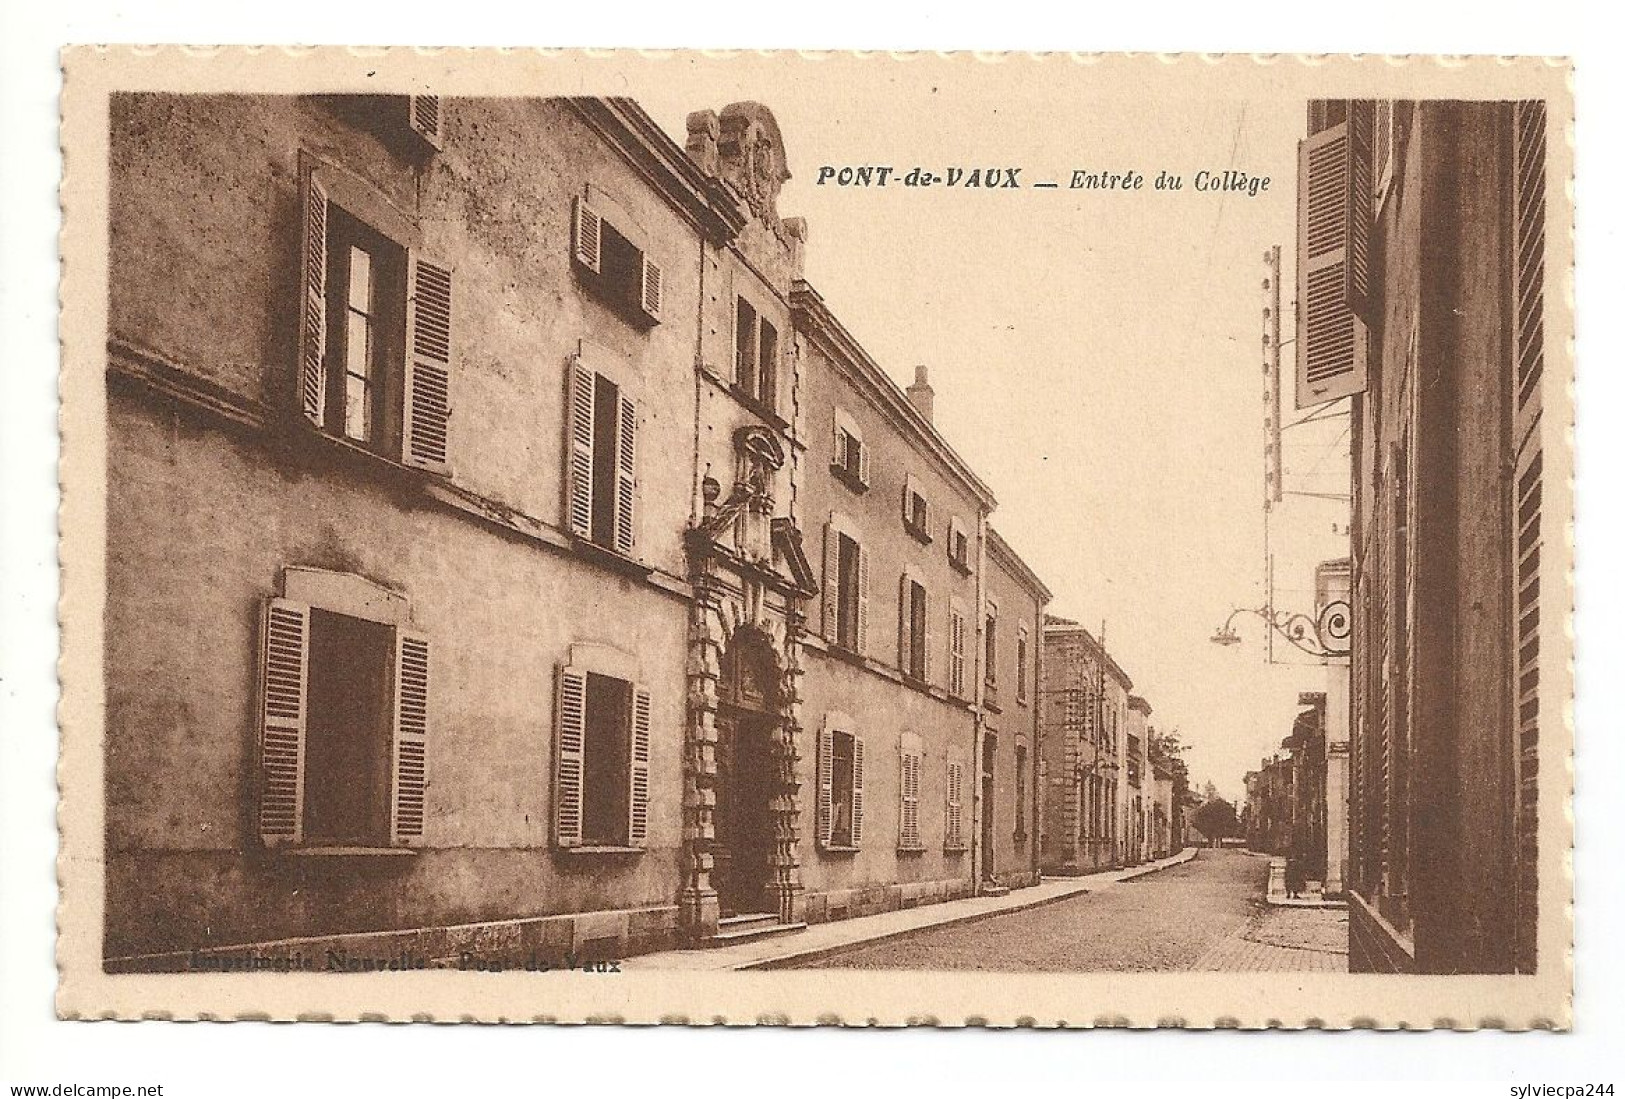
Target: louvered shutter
[[637, 830], [426, 406], [909, 798], [651, 290], [863, 462], [857, 791], [589, 236], [826, 784], [862, 645], [930, 638], [578, 505], [1360, 209], [569, 756], [952, 827], [908, 500], [411, 739], [905, 632], [832, 581], [284, 681], [1331, 344], [839, 456], [313, 303], [626, 485], [423, 115]]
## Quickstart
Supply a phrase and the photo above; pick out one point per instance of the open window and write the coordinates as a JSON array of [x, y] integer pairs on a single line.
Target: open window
[[756, 356], [846, 589], [916, 510], [840, 786], [958, 545], [913, 629], [850, 460], [601, 498], [344, 724], [375, 337], [601, 760], [612, 257]]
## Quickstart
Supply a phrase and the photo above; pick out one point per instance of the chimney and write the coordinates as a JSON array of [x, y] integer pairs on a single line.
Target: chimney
[[921, 395]]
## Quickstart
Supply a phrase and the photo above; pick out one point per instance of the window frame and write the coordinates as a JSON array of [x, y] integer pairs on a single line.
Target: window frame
[[284, 710], [415, 359], [572, 720]]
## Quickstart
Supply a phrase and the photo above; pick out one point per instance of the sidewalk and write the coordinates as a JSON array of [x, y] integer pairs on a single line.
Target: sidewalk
[[826, 938], [1276, 894]]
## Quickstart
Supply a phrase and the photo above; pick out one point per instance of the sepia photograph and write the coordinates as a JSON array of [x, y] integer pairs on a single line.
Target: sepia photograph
[[767, 539]]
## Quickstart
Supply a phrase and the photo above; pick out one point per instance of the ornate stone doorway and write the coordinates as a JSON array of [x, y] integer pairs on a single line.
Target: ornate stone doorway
[[747, 776]]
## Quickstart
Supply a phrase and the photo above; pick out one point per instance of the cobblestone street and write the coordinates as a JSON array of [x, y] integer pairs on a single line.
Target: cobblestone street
[[1206, 915]]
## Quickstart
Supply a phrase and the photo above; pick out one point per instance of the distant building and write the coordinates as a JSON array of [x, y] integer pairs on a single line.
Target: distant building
[[1084, 721]]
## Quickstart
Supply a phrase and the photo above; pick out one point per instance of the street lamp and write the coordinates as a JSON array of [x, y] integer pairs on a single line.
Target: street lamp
[[1325, 637]]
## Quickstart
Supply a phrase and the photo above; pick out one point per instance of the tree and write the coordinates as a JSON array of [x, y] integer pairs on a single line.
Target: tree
[[1215, 818]]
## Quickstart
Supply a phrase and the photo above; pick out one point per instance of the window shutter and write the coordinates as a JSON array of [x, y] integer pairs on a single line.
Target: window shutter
[[284, 677], [863, 462], [589, 236], [929, 640], [1360, 207], [905, 635], [857, 791], [424, 117], [908, 499], [832, 580], [952, 828], [626, 485], [863, 601], [569, 756], [652, 289], [313, 299], [637, 830], [839, 457], [826, 784], [427, 401], [908, 833], [1331, 345], [411, 740], [1528, 260], [578, 505]]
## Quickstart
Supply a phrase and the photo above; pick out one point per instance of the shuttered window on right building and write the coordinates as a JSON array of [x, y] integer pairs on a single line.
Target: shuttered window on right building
[[1335, 213], [1525, 370]]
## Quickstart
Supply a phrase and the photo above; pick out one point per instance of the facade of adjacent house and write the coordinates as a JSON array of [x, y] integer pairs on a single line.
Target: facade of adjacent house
[[1333, 584], [1141, 798], [1162, 813], [1083, 743], [509, 553], [1422, 252], [1008, 805]]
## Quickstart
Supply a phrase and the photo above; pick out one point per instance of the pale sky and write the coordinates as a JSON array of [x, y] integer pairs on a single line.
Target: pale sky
[[1096, 356]]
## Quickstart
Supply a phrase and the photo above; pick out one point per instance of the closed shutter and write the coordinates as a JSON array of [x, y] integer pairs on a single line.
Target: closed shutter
[[929, 639], [908, 835], [863, 462], [1528, 326], [905, 632], [826, 784], [589, 237], [857, 791], [284, 680], [638, 797], [652, 289], [578, 505], [953, 831], [839, 455], [832, 582], [423, 115], [956, 651], [862, 646], [426, 405], [313, 303], [569, 756], [1331, 358], [626, 490], [411, 740]]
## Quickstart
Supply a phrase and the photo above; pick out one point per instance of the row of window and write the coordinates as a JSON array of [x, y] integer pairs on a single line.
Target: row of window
[[344, 738], [846, 619], [849, 462]]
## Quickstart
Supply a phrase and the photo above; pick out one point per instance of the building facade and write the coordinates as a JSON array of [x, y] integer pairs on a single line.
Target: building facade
[[1084, 723], [1425, 303], [504, 544]]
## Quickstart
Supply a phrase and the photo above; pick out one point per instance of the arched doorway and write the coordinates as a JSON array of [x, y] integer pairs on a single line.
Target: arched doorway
[[747, 775]]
